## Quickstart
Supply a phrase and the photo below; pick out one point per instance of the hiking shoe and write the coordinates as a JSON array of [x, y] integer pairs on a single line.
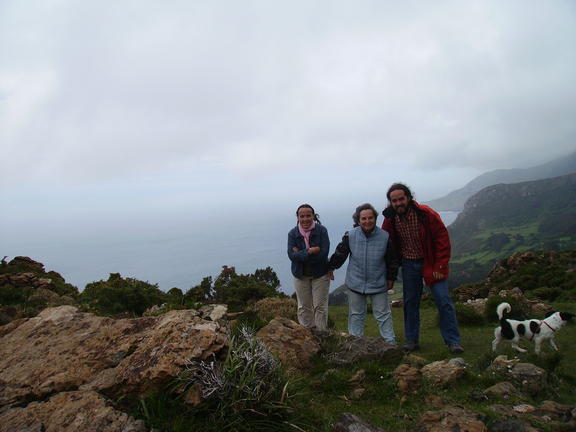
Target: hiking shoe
[[411, 346], [456, 348]]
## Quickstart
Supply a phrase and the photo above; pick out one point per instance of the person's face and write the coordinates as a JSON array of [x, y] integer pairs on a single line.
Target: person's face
[[399, 201], [305, 217], [367, 220]]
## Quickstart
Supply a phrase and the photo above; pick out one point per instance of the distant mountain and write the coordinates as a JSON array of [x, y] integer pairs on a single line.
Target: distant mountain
[[455, 200], [507, 218]]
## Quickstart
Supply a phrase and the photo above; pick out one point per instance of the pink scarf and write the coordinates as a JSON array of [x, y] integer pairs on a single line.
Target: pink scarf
[[306, 233]]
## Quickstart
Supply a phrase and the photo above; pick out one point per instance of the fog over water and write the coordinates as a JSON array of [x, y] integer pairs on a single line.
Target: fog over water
[[172, 252]]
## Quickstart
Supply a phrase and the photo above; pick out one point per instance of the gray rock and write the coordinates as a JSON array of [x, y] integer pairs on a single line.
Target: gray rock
[[365, 348], [509, 425], [350, 423]]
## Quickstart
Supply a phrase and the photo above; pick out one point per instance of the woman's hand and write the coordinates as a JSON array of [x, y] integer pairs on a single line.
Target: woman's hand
[[295, 249], [330, 274], [314, 250]]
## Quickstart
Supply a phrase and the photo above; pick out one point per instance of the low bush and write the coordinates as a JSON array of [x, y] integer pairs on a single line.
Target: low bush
[[467, 316], [519, 310], [545, 293], [121, 295], [271, 307]]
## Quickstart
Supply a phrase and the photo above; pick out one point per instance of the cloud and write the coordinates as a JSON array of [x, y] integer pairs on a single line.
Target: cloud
[[114, 89]]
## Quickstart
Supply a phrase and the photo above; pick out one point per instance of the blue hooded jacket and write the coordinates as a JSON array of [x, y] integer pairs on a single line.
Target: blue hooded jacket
[[318, 262]]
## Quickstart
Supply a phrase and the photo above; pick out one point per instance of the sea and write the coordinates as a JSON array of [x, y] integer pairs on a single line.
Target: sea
[[171, 252]]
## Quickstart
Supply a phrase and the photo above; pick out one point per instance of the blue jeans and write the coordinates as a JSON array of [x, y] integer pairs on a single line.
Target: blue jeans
[[413, 285], [380, 309]]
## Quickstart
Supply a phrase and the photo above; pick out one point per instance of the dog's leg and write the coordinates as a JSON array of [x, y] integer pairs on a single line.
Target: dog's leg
[[497, 338], [537, 343], [553, 344], [517, 348]]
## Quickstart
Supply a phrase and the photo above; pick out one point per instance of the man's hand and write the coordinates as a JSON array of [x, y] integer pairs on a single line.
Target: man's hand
[[314, 250], [330, 274], [389, 284], [295, 249], [438, 275]]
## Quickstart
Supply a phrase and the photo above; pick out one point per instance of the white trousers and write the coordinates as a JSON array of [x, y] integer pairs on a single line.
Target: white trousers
[[312, 295]]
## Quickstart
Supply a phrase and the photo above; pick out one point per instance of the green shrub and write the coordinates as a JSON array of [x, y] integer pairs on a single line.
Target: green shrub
[[568, 295], [546, 293], [235, 290], [467, 316], [271, 307], [119, 295], [10, 295], [518, 309]]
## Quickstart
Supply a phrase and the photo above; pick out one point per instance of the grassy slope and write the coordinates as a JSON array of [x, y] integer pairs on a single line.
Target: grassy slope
[[383, 406], [321, 394]]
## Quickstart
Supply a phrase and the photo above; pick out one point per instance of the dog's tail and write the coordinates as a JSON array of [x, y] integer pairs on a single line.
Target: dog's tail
[[503, 308]]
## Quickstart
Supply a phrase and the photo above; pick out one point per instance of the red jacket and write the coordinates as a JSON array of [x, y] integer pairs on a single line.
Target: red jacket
[[434, 237]]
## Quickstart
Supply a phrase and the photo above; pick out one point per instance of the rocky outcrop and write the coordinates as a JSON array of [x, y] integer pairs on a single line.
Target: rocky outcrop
[[365, 348], [450, 419], [530, 379], [27, 289], [504, 389], [408, 379], [70, 412], [444, 372], [521, 417], [293, 344], [63, 350]]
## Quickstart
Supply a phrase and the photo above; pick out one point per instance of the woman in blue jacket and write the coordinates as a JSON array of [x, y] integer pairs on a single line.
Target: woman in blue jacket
[[308, 247], [372, 270]]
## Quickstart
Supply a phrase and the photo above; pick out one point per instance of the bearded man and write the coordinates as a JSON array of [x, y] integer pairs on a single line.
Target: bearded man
[[421, 240]]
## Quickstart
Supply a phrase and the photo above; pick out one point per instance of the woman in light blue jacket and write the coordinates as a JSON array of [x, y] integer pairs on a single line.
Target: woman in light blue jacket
[[372, 270]]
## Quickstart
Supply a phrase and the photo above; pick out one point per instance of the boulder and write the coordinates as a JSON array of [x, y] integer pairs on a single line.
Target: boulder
[[293, 344], [408, 379], [365, 348], [555, 411], [351, 423], [444, 372], [70, 412], [532, 379], [63, 350], [529, 379], [450, 419], [510, 425], [504, 389], [479, 305]]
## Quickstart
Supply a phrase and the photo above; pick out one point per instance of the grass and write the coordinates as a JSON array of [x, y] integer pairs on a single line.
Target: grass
[[318, 396], [382, 405]]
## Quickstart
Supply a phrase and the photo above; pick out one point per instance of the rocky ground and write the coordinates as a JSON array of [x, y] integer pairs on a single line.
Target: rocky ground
[[62, 370]]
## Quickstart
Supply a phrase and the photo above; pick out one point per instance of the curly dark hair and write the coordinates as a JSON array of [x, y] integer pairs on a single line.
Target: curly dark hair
[[399, 186]]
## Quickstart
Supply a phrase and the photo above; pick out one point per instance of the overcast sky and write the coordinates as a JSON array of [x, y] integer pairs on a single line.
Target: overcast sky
[[120, 106]]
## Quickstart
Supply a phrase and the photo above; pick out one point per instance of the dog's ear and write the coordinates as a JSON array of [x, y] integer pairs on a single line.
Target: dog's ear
[[549, 314], [566, 316]]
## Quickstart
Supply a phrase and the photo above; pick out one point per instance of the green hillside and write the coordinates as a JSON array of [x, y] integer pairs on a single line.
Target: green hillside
[[507, 218], [456, 200]]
